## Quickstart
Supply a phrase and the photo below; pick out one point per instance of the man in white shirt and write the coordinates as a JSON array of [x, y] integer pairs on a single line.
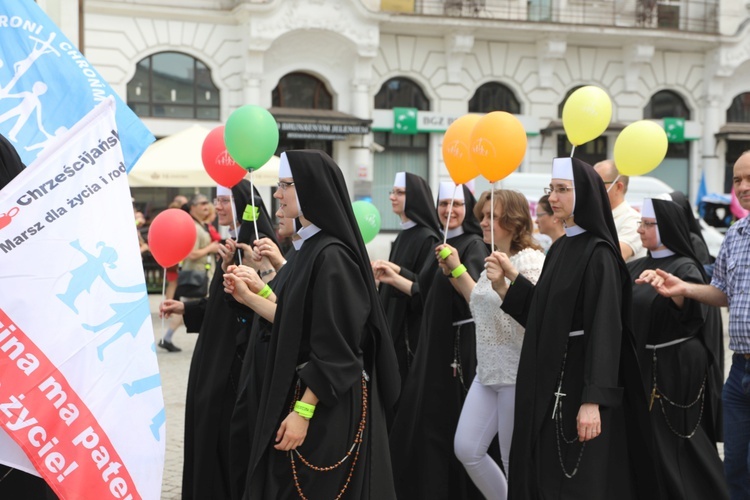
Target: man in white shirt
[[626, 217]]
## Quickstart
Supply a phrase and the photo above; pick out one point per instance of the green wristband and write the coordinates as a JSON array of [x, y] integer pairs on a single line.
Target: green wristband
[[265, 292], [304, 410], [458, 271], [444, 253]]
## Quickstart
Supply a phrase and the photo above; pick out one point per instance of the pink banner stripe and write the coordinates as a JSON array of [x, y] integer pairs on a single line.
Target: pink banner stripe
[[53, 425]]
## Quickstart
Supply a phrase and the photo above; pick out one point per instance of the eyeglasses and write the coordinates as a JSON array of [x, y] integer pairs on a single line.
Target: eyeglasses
[[222, 201], [397, 192], [539, 213], [558, 190], [283, 185], [447, 203], [646, 224]]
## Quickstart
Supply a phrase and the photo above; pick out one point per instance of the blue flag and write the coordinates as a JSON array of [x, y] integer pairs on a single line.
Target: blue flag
[[46, 86], [702, 191]]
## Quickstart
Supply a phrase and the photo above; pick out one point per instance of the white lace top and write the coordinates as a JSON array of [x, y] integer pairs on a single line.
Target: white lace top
[[499, 337]]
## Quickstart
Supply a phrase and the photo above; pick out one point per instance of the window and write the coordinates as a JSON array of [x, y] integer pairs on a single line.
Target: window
[[300, 90], [739, 111], [403, 153], [675, 168], [494, 96], [666, 104], [401, 93], [173, 85]]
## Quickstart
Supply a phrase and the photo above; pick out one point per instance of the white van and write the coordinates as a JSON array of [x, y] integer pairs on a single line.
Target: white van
[[532, 186]]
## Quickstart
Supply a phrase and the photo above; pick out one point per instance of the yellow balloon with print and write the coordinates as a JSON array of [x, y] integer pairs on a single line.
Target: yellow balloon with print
[[456, 153], [640, 148], [586, 114]]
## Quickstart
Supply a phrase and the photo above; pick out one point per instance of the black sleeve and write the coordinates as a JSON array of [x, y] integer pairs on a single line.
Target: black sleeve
[[518, 299], [194, 312], [339, 308], [602, 308]]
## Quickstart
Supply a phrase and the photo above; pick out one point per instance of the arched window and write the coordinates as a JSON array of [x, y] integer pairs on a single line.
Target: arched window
[[173, 85], [494, 96], [403, 152], [739, 111], [300, 90], [666, 104], [675, 168], [401, 93]]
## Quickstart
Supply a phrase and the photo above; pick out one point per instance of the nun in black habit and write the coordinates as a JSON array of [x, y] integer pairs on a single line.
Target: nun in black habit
[[245, 411], [424, 465], [331, 371], [13, 482], [215, 368], [697, 241], [677, 358], [581, 423], [420, 232]]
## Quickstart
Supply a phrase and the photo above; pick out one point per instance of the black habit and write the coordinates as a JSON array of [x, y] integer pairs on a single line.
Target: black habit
[[684, 437], [245, 411], [329, 327], [584, 286], [214, 374], [424, 465], [411, 249]]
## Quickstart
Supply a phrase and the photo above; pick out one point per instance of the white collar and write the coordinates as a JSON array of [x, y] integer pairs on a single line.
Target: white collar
[[304, 234], [452, 233], [408, 224], [660, 254], [574, 231]]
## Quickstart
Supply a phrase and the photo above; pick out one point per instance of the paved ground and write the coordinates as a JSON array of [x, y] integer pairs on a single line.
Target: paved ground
[[174, 368]]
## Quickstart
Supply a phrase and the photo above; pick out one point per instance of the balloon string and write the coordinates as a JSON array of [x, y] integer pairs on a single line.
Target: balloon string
[[255, 219], [236, 227], [448, 220], [572, 150], [492, 217], [163, 294]]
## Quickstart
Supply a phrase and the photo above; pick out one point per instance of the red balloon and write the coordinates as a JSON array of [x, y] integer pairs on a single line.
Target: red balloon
[[217, 162], [171, 236]]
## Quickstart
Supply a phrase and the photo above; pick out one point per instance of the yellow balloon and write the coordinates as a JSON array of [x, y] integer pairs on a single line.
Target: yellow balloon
[[640, 148], [498, 145], [586, 114], [456, 149]]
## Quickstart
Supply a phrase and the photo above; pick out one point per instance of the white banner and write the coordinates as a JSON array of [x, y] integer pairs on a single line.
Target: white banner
[[80, 391]]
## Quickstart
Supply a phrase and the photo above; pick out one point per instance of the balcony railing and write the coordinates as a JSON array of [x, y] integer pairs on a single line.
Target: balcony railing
[[699, 16]]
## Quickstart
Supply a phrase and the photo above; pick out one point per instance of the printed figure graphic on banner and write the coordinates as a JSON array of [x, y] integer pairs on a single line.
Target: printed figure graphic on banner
[[131, 315], [47, 85], [94, 267]]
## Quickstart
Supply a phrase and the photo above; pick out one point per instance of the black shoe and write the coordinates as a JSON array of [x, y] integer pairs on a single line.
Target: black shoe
[[169, 346]]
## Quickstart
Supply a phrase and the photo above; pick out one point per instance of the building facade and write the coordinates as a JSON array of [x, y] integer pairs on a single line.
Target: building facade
[[376, 82]]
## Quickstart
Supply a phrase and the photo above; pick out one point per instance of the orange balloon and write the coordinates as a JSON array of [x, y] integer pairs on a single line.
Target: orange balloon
[[456, 153], [498, 145]]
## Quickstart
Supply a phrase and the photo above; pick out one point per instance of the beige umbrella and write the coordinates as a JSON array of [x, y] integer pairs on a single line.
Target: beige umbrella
[[175, 161]]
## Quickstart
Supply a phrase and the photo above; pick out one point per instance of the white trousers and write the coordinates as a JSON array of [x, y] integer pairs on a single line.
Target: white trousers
[[487, 411]]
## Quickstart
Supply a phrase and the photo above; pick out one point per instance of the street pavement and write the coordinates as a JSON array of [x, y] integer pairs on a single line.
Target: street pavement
[[174, 367]]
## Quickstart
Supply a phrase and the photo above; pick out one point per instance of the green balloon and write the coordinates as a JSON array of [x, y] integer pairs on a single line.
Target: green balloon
[[368, 219], [251, 136]]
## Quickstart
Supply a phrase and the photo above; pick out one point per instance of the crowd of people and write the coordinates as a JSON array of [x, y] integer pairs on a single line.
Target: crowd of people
[[470, 363]]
